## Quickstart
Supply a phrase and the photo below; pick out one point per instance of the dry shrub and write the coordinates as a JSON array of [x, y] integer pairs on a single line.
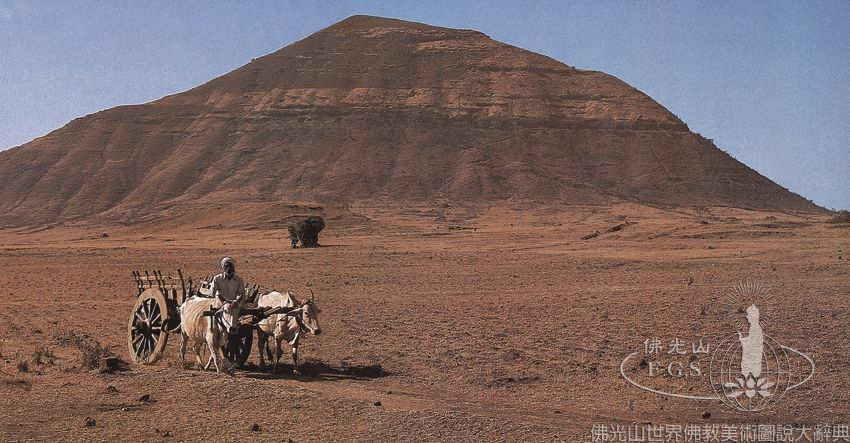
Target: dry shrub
[[23, 366], [16, 382], [841, 217], [69, 339], [93, 352], [43, 355]]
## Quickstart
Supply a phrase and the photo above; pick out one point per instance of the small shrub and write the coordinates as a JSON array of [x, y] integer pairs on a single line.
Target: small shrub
[[43, 355], [23, 366], [69, 338], [93, 352], [841, 217]]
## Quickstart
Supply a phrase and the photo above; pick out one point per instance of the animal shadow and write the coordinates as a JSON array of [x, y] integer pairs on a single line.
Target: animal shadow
[[317, 370]]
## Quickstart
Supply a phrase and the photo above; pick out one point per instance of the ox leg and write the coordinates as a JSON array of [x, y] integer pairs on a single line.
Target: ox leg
[[262, 341], [213, 356], [215, 362], [196, 347], [294, 345], [295, 360], [183, 350], [278, 352], [269, 354]]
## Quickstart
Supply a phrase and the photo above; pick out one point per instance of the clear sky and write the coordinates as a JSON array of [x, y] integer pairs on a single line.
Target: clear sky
[[769, 82]]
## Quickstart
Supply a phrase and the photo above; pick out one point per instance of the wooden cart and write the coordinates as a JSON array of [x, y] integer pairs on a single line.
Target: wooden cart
[[156, 314]]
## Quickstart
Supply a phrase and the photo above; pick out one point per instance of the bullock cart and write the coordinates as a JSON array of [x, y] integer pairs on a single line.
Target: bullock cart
[[156, 315]]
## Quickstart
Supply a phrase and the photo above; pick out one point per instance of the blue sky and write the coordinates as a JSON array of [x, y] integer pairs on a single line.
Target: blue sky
[[769, 82]]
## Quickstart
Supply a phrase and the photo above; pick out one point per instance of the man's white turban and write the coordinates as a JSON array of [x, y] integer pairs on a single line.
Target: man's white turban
[[228, 260]]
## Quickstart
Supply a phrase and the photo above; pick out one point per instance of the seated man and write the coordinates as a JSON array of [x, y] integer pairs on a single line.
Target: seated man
[[228, 286]]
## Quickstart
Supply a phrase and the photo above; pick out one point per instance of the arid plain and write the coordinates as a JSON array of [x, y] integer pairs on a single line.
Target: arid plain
[[439, 323], [503, 232]]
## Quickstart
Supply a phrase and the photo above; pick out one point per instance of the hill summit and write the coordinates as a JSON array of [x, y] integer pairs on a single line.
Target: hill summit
[[387, 111]]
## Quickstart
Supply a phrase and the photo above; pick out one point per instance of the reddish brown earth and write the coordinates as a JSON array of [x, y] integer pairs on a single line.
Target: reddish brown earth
[[377, 111], [498, 324], [460, 280]]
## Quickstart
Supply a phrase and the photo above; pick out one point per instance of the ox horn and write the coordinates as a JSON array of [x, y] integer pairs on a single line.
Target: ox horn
[[312, 295]]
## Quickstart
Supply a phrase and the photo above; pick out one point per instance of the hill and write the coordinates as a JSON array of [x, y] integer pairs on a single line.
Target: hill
[[386, 111]]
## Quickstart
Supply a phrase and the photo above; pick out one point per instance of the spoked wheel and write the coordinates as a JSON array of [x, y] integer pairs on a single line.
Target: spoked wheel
[[238, 346], [146, 334]]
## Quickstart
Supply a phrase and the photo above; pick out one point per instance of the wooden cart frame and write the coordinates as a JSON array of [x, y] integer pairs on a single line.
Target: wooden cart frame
[[156, 314]]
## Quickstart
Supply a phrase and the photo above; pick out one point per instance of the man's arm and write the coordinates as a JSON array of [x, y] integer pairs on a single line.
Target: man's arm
[[214, 292], [242, 293]]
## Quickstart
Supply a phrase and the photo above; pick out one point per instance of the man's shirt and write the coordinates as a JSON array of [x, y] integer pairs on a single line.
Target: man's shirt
[[228, 288]]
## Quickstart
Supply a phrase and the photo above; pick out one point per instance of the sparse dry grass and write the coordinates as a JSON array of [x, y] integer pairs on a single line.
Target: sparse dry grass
[[16, 382], [42, 356], [93, 352]]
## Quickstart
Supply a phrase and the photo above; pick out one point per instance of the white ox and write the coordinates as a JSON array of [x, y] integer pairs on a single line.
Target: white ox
[[286, 326], [203, 329]]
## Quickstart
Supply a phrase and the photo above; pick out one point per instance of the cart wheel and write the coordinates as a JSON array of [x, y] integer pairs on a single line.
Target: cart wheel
[[238, 346], [146, 335]]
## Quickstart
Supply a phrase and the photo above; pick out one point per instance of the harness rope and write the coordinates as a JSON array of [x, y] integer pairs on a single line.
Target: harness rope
[[217, 315], [218, 320], [298, 319]]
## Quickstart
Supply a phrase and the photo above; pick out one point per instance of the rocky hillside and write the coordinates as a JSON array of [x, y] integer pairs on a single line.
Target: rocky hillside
[[385, 111]]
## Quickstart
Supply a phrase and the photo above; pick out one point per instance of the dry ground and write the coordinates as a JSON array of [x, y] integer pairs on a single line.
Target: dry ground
[[487, 325]]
